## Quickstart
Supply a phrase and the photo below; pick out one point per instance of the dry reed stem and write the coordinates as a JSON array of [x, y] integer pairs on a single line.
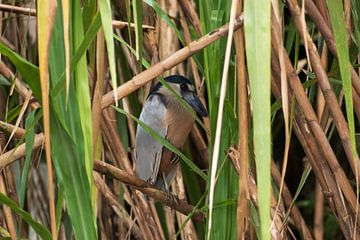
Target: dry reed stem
[[17, 10], [243, 159], [19, 152], [318, 229], [19, 118], [190, 12], [98, 89], [319, 141], [19, 86], [18, 132], [159, 68], [320, 165]]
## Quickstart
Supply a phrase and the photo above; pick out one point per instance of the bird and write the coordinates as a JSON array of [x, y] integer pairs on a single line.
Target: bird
[[163, 112]]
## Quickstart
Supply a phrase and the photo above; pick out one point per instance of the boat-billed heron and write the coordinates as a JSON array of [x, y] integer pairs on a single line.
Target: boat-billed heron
[[172, 121]]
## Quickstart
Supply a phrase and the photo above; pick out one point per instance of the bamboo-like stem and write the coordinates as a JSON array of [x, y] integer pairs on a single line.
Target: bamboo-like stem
[[179, 56]]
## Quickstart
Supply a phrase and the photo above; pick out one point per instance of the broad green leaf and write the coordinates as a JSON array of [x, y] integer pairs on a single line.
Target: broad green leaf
[[81, 50], [67, 139], [257, 39], [82, 91]]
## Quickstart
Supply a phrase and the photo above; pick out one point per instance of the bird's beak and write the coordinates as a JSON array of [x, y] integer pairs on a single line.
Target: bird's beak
[[195, 103]]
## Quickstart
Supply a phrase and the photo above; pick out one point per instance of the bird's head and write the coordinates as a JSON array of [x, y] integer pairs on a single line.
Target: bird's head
[[184, 88]]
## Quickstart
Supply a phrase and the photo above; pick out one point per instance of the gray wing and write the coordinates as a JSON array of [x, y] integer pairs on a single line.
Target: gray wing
[[147, 150]]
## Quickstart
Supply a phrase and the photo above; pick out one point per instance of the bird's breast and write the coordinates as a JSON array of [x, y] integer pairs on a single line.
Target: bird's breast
[[179, 124]]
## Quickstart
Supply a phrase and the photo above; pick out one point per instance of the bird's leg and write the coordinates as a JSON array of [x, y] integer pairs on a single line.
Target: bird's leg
[[167, 187]]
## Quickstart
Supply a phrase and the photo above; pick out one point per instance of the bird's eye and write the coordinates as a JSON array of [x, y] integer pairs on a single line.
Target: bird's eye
[[184, 87]]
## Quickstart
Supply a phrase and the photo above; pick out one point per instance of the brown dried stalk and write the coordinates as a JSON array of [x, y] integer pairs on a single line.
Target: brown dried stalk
[[18, 10], [19, 152], [166, 64], [242, 208], [190, 12]]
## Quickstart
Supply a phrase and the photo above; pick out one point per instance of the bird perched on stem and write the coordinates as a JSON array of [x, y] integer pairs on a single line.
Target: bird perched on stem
[[171, 120]]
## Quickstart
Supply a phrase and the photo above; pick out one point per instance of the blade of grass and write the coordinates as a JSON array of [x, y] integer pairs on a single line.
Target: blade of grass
[[106, 20], [30, 122], [257, 39], [138, 19]]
